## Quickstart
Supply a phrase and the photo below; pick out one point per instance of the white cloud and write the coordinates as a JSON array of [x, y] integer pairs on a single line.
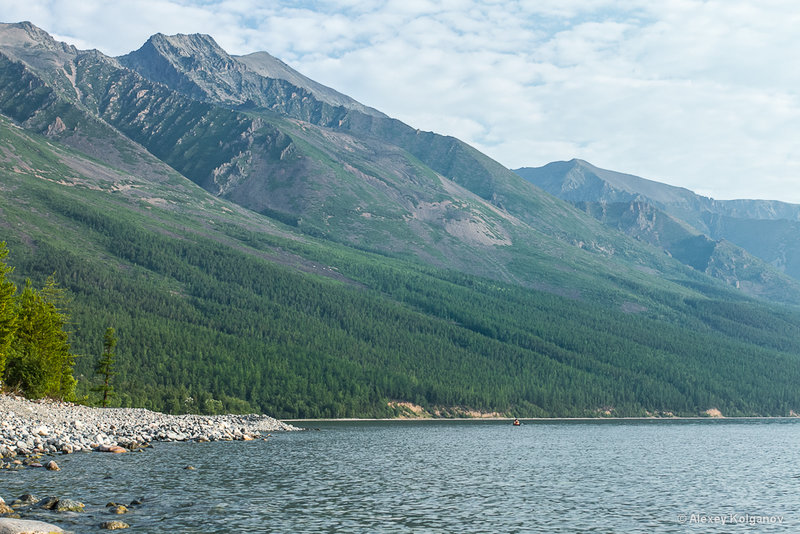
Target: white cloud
[[698, 93]]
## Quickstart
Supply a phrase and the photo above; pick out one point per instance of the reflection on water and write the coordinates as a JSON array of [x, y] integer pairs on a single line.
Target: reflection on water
[[449, 476]]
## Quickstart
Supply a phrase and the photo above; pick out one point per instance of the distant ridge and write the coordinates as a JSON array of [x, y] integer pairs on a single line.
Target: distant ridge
[[580, 181], [767, 230]]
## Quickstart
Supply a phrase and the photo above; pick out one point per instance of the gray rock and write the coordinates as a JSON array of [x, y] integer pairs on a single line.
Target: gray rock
[[52, 426], [24, 526]]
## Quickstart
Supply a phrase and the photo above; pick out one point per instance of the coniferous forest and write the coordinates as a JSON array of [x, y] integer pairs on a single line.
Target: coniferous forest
[[207, 324]]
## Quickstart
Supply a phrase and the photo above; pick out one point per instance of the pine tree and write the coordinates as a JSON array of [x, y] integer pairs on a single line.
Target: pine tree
[[39, 361], [105, 366], [8, 311]]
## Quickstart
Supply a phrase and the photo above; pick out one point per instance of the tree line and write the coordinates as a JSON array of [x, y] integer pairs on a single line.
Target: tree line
[[207, 325], [35, 354]]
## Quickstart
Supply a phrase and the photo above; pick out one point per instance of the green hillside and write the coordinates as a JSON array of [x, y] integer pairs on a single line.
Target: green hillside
[[213, 301]]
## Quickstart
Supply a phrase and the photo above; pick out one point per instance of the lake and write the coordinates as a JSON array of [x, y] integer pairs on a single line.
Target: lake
[[448, 476]]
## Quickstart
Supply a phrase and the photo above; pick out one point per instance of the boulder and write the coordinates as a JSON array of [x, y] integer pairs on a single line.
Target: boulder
[[111, 448], [25, 500], [52, 466], [48, 503], [114, 525], [68, 505], [25, 526]]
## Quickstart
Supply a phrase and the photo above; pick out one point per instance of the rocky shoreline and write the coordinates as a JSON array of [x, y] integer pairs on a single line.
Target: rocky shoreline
[[31, 430], [48, 427]]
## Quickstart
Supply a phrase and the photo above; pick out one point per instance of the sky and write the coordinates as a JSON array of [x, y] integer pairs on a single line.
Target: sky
[[702, 94]]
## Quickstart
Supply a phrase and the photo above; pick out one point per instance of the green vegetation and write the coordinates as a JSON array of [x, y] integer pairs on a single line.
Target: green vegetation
[[748, 244], [207, 323], [37, 358], [8, 312], [105, 366]]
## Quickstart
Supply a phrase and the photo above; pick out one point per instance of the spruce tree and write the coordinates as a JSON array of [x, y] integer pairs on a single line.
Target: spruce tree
[[39, 361], [105, 366], [8, 311]]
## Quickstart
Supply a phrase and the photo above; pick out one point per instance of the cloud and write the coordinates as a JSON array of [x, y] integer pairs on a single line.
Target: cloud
[[697, 93]]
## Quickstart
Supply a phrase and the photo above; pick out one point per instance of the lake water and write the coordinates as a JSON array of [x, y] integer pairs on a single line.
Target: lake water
[[448, 476]]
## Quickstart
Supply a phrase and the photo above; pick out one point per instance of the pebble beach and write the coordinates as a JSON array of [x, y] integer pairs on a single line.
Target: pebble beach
[[48, 427], [34, 433]]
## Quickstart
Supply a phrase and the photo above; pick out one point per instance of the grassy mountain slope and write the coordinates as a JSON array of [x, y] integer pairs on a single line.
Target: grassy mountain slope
[[211, 300], [190, 64]]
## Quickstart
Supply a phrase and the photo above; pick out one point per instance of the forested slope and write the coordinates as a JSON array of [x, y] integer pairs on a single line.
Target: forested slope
[[212, 301]]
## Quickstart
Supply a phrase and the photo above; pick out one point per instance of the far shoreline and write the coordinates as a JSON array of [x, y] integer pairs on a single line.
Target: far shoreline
[[541, 419]]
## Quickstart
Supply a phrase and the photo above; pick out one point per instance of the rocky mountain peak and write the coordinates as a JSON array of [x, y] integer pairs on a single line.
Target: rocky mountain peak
[[193, 64], [23, 41], [201, 47], [197, 66], [27, 35]]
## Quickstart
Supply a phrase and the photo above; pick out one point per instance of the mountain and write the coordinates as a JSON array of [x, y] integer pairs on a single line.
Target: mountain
[[750, 244], [197, 65], [361, 179], [279, 247], [578, 181]]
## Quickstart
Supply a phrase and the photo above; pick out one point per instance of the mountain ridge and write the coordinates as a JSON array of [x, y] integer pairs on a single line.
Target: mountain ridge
[[401, 205], [765, 230], [661, 194], [311, 260], [259, 149]]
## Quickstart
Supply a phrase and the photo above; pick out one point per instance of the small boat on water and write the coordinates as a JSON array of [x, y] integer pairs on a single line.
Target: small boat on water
[[516, 422]]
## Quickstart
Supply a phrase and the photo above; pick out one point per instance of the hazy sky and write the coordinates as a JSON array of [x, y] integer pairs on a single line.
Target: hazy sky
[[701, 94]]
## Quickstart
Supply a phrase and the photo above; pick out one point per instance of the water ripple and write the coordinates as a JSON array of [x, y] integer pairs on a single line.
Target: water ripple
[[471, 476]]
